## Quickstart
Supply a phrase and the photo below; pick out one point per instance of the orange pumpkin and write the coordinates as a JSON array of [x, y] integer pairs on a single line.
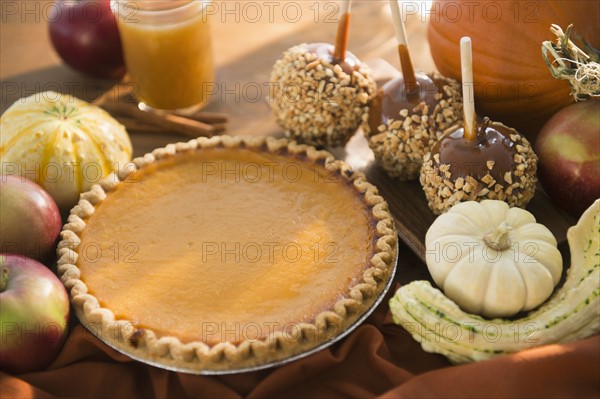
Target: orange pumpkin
[[512, 82]]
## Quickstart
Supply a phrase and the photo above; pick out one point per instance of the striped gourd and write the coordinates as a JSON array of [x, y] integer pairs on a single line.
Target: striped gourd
[[63, 143]]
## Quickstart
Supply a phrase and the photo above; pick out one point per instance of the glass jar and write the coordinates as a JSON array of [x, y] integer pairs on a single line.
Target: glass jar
[[168, 52]]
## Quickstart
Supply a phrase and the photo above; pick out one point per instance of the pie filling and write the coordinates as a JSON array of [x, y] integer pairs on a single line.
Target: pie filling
[[226, 245]]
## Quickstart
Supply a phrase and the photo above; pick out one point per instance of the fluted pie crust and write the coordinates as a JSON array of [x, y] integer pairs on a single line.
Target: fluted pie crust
[[179, 351]]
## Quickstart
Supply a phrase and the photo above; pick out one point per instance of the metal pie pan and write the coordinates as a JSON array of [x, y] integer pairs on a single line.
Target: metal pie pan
[[267, 365]]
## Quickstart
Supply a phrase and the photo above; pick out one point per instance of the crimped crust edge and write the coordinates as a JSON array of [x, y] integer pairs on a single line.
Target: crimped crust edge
[[198, 356]]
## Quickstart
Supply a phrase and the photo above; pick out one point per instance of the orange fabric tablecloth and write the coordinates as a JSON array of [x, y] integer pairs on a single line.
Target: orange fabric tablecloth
[[379, 358]]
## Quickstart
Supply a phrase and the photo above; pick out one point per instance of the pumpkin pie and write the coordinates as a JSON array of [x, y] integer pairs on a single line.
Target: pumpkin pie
[[227, 253]]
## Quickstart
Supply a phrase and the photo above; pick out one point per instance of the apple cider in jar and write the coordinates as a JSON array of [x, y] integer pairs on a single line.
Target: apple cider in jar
[[167, 50]]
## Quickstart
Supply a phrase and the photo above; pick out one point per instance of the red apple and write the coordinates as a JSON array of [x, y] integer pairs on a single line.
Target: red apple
[[84, 33], [35, 312], [568, 148], [29, 219]]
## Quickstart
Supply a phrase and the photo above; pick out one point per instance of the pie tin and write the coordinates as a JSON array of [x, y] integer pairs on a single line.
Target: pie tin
[[267, 365]]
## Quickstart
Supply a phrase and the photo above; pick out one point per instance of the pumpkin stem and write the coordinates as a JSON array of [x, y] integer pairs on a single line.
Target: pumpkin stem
[[579, 66], [499, 238]]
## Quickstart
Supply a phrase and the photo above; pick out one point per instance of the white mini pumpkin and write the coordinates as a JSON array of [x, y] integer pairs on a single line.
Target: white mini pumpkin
[[492, 260], [63, 143]]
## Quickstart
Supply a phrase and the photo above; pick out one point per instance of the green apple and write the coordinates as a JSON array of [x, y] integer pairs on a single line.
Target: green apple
[[34, 312]]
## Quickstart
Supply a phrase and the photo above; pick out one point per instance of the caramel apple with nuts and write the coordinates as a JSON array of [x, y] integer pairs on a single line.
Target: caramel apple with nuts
[[410, 113], [477, 161], [321, 93]]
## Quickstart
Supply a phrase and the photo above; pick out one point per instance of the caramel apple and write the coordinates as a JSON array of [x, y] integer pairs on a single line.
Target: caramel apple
[[476, 161], [321, 93], [410, 113]]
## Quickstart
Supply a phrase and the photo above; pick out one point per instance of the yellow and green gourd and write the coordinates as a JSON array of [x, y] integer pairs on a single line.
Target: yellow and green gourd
[[62, 143]]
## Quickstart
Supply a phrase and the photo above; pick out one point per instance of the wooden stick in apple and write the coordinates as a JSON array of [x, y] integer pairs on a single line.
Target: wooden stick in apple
[[341, 38], [411, 112], [466, 63], [477, 162], [410, 80], [329, 74]]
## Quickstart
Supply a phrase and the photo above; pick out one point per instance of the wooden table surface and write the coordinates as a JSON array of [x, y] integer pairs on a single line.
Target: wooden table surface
[[245, 51]]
